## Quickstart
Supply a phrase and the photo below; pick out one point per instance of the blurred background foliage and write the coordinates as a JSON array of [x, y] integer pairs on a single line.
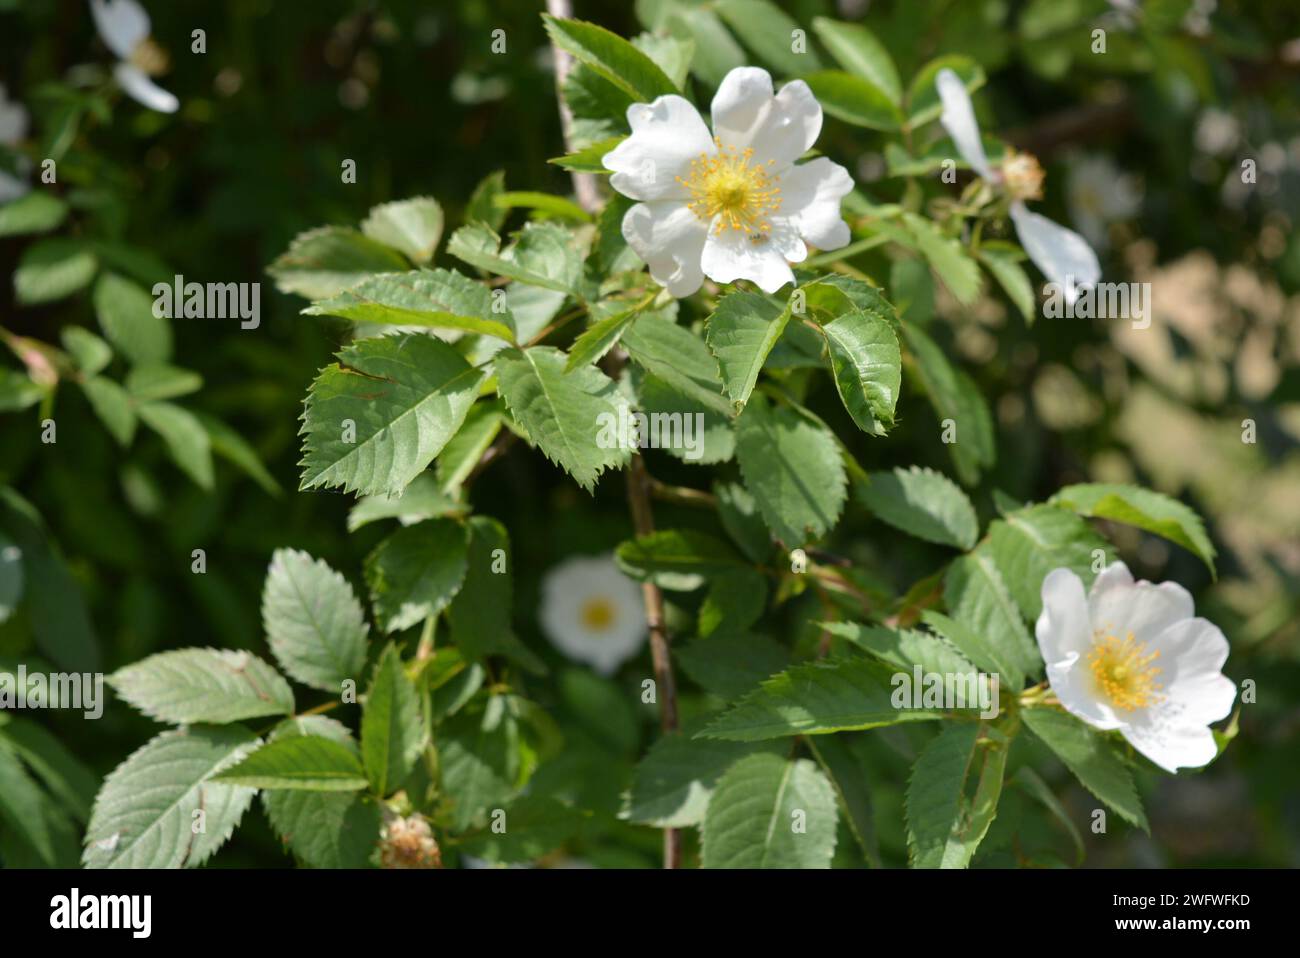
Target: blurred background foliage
[[1143, 148]]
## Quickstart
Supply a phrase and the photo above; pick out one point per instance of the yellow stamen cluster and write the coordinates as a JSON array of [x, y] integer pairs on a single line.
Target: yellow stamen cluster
[[150, 58], [1022, 175], [597, 614], [1123, 671], [727, 186]]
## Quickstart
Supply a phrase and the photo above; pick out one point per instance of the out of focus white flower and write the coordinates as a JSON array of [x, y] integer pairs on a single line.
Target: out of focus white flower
[[1217, 132], [732, 205], [1064, 256], [13, 128], [1099, 194], [593, 613], [1131, 656], [124, 27]]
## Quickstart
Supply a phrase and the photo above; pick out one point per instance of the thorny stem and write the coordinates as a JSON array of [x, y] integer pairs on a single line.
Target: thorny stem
[[639, 485], [584, 184]]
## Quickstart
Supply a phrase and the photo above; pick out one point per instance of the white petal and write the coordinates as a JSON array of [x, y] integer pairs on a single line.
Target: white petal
[[1170, 745], [670, 238], [780, 128], [1064, 256], [1074, 687], [1063, 625], [1115, 574], [13, 121], [1143, 608], [958, 118], [1192, 653], [567, 588], [730, 255], [666, 136], [121, 23], [143, 90], [810, 197]]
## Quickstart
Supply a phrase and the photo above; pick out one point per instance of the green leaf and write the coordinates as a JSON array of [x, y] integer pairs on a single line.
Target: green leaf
[[234, 448], [680, 560], [421, 500], [62, 773], [600, 337], [416, 572], [144, 815], [52, 269], [186, 686], [18, 392], [1152, 511], [947, 257], [543, 254], [610, 56], [126, 316], [314, 624], [739, 515], [768, 811], [588, 159], [323, 262], [36, 212], [904, 648], [465, 449], [846, 772], [767, 30], [816, 698], [956, 401], [792, 466], [161, 381], [307, 762], [536, 826], [439, 299], [482, 207], [11, 576], [977, 598], [677, 357], [375, 420], [480, 615], [324, 829], [479, 756], [546, 203], [922, 503], [857, 50], [186, 440], [716, 50], [22, 805], [412, 226], [56, 609], [114, 407], [562, 414], [672, 784], [1006, 269], [680, 426], [952, 797], [855, 100], [740, 333], [392, 734], [1088, 754], [863, 348], [732, 665], [923, 103], [734, 602], [1029, 543]]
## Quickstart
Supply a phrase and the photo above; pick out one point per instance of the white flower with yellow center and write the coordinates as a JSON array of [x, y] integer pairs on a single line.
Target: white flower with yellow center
[[13, 128], [1062, 254], [123, 25], [1100, 193], [1132, 656], [732, 205], [593, 613]]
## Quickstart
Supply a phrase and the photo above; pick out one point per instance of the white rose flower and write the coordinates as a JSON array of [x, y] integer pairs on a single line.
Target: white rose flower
[[13, 127], [1062, 254], [1131, 656], [124, 27], [593, 613], [1100, 193], [733, 205]]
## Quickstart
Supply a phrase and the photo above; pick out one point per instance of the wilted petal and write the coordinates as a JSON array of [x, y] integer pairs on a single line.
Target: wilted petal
[[810, 198], [140, 88], [122, 24], [780, 128], [666, 136], [670, 238], [1064, 256], [958, 118]]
